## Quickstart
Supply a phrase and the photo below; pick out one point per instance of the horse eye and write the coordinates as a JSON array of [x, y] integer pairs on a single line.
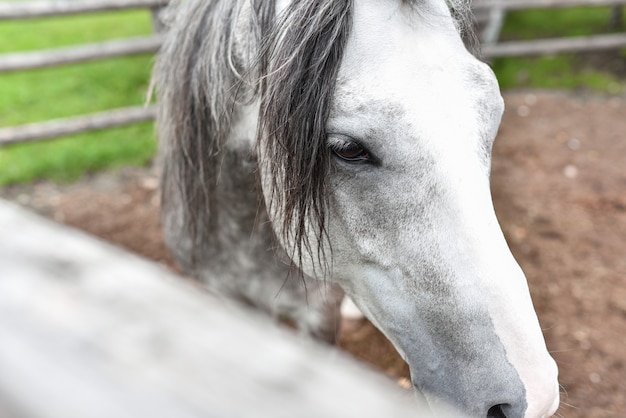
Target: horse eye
[[352, 152]]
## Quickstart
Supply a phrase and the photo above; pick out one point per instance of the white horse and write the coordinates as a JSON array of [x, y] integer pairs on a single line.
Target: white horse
[[321, 146]]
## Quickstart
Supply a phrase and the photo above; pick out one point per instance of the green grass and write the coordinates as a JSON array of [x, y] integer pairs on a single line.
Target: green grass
[[67, 159], [74, 90], [27, 35], [532, 24], [561, 71]]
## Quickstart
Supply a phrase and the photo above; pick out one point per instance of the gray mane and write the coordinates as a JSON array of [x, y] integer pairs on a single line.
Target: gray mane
[[199, 80], [213, 61]]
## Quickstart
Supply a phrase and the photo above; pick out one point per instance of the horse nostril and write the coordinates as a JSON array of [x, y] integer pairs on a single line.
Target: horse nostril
[[496, 412]]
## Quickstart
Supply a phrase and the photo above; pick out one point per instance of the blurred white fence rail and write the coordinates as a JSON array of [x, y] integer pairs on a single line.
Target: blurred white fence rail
[[491, 15], [88, 330], [37, 9], [36, 60]]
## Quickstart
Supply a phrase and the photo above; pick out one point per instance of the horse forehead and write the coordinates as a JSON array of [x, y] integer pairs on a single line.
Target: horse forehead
[[352, 99], [409, 94], [431, 106], [411, 76], [400, 44], [387, 28]]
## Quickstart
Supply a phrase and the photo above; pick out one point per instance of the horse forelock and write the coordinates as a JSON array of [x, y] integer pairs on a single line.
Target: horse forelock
[[303, 61]]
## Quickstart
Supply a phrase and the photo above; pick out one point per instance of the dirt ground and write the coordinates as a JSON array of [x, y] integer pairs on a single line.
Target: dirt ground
[[559, 186]]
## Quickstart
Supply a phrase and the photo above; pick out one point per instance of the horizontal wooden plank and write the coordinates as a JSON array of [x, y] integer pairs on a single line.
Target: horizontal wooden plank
[[554, 46], [543, 4], [37, 9], [71, 55], [88, 330], [70, 126]]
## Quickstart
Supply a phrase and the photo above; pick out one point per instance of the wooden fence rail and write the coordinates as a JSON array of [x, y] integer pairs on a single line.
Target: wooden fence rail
[[73, 55], [491, 15], [544, 4], [38, 9], [88, 330], [70, 126], [554, 46]]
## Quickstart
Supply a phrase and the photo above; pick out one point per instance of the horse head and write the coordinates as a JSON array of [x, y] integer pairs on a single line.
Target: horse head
[[376, 131], [372, 132]]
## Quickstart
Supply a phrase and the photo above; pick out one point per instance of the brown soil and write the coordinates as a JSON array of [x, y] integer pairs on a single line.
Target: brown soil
[[559, 185]]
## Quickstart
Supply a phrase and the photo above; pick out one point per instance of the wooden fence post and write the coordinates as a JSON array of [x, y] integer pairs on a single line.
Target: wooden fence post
[[157, 21], [616, 21]]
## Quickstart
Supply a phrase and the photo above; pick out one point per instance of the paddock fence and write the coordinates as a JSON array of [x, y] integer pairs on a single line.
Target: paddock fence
[[36, 60], [491, 15]]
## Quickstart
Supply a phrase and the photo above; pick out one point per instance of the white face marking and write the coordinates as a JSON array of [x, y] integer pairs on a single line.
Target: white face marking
[[415, 240]]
